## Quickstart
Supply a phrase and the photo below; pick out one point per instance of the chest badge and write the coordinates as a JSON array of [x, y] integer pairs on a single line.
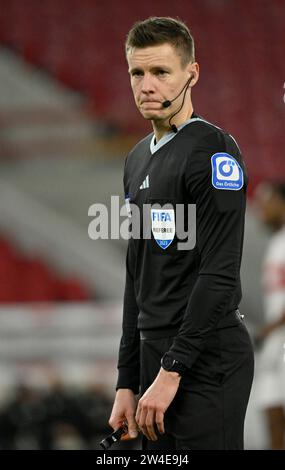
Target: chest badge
[[163, 226]]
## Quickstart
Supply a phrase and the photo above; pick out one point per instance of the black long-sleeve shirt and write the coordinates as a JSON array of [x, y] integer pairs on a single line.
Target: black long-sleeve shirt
[[169, 288]]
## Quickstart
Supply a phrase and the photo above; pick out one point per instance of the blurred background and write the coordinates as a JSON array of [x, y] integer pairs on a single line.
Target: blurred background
[[67, 121]]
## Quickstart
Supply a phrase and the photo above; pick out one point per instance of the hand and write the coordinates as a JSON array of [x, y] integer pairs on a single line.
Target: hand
[[123, 411], [154, 403]]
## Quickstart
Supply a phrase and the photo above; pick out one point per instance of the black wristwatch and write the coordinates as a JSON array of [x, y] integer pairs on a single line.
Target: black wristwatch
[[172, 365]]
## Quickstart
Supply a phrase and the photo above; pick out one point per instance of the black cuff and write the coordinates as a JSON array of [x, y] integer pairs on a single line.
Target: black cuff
[[128, 378]]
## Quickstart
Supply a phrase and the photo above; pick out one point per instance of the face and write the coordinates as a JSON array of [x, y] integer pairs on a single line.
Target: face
[[157, 75]]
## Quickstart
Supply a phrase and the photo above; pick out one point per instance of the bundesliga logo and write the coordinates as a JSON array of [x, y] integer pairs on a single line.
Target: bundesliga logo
[[226, 172]]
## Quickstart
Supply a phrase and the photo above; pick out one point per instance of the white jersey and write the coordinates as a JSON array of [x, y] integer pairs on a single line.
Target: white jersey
[[270, 362], [273, 277]]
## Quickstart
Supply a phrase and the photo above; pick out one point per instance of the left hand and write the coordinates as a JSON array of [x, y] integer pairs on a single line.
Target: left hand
[[154, 403]]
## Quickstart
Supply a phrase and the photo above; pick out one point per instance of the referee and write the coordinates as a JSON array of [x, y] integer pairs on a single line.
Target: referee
[[184, 345]]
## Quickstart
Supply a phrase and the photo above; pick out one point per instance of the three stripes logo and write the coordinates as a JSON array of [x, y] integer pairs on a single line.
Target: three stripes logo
[[145, 183]]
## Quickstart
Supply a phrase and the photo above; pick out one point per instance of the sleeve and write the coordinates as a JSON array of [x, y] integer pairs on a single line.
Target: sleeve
[[129, 350], [219, 239]]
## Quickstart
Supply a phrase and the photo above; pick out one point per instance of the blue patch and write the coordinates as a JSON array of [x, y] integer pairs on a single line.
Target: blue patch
[[163, 243], [226, 172]]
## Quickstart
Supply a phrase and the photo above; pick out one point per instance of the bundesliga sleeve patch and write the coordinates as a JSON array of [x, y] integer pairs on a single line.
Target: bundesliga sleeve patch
[[226, 172]]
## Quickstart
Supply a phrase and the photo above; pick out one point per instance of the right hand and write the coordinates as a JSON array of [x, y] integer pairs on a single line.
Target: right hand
[[124, 410]]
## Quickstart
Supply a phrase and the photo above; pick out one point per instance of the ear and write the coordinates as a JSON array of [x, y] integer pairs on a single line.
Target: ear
[[193, 70]]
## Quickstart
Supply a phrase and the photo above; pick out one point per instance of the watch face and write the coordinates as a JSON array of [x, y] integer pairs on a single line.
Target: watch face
[[171, 365], [168, 362]]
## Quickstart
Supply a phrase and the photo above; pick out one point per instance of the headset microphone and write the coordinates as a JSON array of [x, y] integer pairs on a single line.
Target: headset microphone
[[167, 103]]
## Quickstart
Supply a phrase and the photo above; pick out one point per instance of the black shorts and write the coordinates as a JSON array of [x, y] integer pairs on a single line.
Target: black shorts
[[209, 408]]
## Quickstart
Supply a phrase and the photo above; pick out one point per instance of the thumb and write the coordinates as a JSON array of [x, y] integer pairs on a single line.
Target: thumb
[[132, 426]]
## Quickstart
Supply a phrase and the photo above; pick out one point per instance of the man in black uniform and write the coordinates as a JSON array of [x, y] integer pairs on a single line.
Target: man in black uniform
[[184, 343]]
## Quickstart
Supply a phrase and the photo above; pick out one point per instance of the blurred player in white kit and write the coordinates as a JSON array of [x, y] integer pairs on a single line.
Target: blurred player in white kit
[[271, 377]]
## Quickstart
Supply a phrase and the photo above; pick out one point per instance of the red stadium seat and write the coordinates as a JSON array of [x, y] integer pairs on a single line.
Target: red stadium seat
[[31, 280]]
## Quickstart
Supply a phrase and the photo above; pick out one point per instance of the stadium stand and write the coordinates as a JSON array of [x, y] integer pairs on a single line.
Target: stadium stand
[[24, 279], [81, 44]]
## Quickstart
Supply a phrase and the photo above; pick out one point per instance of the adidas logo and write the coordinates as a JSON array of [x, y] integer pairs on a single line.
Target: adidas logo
[[145, 183]]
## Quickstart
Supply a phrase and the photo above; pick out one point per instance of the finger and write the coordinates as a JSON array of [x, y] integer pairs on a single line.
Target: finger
[[145, 432], [138, 413], [150, 425], [159, 419], [132, 426], [141, 421], [115, 423], [126, 437]]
